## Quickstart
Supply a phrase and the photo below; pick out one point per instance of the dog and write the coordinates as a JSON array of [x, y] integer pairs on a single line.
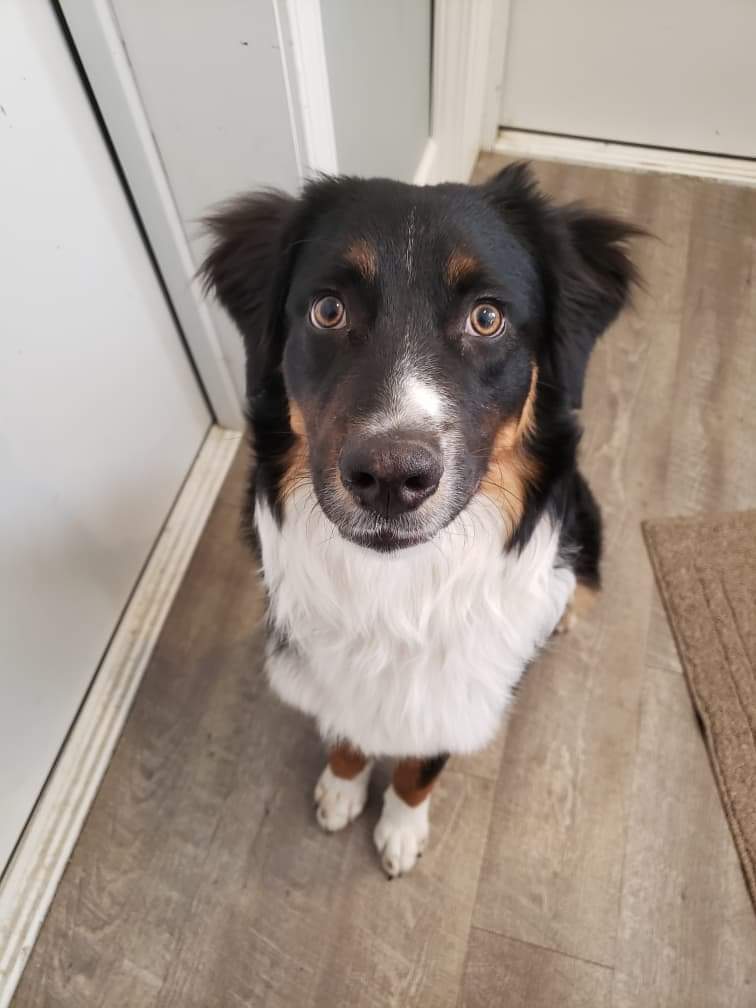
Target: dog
[[415, 362]]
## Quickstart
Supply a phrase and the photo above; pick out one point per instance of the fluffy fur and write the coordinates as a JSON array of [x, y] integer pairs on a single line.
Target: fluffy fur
[[415, 493], [414, 653]]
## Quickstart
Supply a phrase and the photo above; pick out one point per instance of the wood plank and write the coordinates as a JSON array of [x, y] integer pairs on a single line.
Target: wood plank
[[235, 485], [687, 931], [500, 971], [552, 872], [712, 462], [312, 921]]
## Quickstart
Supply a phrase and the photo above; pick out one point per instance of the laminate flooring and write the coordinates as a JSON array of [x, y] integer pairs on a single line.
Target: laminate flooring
[[584, 860]]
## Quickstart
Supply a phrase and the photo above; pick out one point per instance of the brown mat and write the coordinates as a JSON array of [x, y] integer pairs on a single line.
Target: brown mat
[[706, 571]]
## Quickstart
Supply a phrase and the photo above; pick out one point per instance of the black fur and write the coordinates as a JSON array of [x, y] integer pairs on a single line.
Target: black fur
[[562, 272], [430, 769], [581, 534], [584, 267]]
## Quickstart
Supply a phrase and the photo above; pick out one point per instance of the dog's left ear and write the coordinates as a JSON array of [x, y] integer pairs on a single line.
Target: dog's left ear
[[583, 260], [247, 268]]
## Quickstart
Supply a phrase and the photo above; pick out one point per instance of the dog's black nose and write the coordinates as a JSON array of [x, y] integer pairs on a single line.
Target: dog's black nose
[[391, 474]]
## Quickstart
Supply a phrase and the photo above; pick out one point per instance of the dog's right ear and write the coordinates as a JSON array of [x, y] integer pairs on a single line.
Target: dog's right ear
[[247, 269]]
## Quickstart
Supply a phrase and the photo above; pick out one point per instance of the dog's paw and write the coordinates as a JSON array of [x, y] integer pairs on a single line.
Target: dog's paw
[[401, 833], [339, 801]]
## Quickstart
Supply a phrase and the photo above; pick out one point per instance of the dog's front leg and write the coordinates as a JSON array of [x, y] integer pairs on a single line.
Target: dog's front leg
[[341, 791], [402, 830]]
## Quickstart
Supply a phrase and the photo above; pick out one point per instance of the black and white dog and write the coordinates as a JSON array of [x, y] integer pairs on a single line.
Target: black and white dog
[[415, 357]]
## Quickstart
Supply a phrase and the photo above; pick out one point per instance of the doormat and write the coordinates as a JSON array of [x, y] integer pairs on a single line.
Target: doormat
[[705, 568]]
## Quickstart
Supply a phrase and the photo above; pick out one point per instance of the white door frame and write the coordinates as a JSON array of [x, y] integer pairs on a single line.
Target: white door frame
[[469, 41], [465, 90]]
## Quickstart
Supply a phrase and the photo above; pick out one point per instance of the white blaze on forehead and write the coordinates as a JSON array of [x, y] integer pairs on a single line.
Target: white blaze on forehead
[[420, 396], [411, 401]]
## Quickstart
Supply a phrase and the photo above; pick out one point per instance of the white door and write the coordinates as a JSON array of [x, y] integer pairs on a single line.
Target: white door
[[675, 73], [100, 413]]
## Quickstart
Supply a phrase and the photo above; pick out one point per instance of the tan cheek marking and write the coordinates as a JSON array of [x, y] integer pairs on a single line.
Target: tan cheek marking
[[511, 469], [345, 761], [458, 266], [297, 463], [405, 781], [364, 258]]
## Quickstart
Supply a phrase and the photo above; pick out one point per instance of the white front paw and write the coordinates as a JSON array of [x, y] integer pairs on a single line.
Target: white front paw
[[340, 801], [401, 833]]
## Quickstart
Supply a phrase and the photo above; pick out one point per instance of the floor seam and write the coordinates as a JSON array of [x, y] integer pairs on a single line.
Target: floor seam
[[543, 948]]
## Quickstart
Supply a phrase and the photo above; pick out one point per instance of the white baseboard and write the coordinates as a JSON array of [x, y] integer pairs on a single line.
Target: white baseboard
[[30, 881], [521, 143]]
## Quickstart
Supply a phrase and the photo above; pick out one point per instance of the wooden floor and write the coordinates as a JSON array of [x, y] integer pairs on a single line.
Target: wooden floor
[[584, 860]]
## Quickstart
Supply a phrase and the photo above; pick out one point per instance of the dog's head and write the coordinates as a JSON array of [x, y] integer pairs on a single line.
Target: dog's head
[[400, 340]]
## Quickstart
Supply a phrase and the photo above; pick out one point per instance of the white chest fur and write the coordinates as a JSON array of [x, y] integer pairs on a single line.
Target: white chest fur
[[413, 653]]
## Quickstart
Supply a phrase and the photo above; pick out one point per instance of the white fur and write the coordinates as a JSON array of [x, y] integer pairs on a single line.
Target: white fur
[[414, 652], [412, 401], [401, 833], [340, 801], [423, 398]]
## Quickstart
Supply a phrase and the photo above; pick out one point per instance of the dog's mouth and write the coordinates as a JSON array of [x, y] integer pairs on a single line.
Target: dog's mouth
[[386, 526], [384, 540], [387, 535]]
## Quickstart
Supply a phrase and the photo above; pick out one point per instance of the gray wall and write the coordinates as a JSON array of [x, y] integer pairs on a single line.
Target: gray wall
[[378, 56]]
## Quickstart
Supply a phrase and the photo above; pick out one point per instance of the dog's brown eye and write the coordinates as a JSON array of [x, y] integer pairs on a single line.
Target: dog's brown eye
[[485, 320], [327, 312]]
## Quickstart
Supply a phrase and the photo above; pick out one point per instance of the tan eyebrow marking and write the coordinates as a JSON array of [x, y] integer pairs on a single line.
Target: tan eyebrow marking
[[363, 256], [460, 265]]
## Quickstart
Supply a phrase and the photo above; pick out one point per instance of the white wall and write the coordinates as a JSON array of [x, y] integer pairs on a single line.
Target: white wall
[[379, 62]]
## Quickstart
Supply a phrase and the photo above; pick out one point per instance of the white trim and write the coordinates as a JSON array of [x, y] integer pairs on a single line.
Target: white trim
[[427, 164], [99, 46], [521, 143], [30, 881], [460, 86], [497, 55], [306, 65]]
